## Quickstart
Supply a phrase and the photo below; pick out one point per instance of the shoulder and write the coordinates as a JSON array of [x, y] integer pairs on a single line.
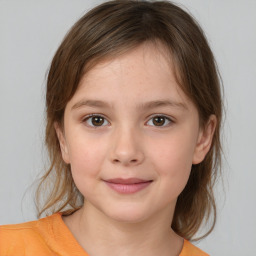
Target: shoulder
[[19, 238], [191, 250]]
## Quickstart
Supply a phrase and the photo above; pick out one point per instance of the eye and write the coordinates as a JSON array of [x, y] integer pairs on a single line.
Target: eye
[[95, 121], [160, 121]]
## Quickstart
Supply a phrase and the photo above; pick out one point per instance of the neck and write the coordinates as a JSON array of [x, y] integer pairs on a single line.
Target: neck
[[147, 237]]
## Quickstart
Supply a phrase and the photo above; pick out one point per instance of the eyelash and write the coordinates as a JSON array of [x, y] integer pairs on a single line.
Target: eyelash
[[97, 115]]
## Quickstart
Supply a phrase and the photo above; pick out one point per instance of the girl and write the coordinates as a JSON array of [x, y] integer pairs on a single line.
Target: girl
[[133, 132]]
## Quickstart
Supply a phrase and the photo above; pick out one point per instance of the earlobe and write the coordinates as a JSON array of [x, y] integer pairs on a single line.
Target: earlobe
[[204, 140], [62, 142]]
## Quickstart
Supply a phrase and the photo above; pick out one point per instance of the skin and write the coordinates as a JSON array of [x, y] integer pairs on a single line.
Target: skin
[[131, 143]]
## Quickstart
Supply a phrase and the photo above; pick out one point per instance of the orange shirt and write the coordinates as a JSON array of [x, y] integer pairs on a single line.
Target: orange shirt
[[50, 236]]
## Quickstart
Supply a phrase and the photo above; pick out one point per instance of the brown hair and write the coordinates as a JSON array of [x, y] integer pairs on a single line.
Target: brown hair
[[107, 31]]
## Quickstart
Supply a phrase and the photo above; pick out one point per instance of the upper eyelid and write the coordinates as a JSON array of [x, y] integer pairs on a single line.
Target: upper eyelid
[[164, 115], [92, 115]]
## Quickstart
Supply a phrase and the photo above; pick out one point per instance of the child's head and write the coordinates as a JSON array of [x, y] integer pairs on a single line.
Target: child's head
[[159, 37]]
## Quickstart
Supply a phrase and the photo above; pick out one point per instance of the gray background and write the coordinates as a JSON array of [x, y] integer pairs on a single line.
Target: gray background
[[30, 32]]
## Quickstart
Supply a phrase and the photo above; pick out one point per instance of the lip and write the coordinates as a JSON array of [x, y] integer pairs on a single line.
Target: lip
[[127, 181], [127, 186]]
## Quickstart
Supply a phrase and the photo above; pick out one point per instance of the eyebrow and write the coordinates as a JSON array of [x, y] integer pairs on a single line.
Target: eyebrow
[[141, 106]]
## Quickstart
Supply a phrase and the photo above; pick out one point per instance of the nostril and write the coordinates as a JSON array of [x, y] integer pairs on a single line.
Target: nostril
[[131, 161]]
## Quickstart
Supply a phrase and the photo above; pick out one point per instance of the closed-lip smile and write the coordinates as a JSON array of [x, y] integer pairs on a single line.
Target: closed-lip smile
[[127, 186], [127, 181]]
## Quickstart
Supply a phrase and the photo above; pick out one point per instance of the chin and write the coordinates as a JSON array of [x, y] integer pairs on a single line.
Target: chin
[[128, 215]]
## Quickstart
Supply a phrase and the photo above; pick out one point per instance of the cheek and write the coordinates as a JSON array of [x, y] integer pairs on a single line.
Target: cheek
[[86, 161], [173, 152], [172, 160], [86, 157]]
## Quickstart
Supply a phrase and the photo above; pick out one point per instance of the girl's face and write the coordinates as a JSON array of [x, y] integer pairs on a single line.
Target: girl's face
[[129, 122]]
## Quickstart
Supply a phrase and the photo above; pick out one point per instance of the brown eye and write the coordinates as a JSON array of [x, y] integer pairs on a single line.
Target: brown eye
[[96, 121], [160, 121]]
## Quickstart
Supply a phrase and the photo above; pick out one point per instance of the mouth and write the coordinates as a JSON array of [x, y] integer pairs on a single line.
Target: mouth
[[127, 186]]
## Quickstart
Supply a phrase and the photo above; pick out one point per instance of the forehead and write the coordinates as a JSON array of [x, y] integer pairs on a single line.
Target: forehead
[[156, 50], [146, 71]]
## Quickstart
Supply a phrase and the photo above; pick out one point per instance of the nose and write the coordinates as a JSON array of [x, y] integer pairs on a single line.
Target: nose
[[127, 148]]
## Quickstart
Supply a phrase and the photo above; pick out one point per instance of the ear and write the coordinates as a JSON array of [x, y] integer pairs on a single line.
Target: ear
[[63, 143], [204, 140]]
